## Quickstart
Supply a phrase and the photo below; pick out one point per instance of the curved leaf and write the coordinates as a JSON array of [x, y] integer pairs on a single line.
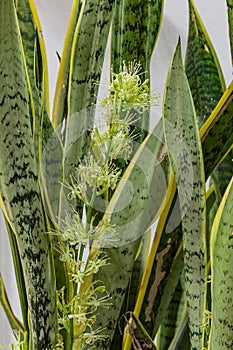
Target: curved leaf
[[222, 278], [202, 68], [138, 270], [168, 325], [181, 340], [87, 54], [18, 275], [20, 193], [163, 250], [4, 302], [217, 132], [184, 147], [61, 92]]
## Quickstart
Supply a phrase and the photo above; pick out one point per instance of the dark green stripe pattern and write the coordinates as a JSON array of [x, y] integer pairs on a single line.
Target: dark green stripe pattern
[[19, 183], [222, 276], [201, 69], [184, 147]]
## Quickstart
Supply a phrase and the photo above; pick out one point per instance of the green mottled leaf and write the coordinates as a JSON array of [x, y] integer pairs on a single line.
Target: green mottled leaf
[[28, 35], [202, 68], [88, 54], [43, 132], [138, 270], [181, 340], [168, 324], [168, 308], [20, 193], [48, 148], [168, 245], [230, 23], [134, 33], [36, 66], [172, 230], [217, 132], [213, 140], [206, 83], [222, 175], [222, 276], [184, 147], [30, 46]]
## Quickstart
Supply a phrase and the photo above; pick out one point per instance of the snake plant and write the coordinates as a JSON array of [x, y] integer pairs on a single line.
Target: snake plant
[[82, 187]]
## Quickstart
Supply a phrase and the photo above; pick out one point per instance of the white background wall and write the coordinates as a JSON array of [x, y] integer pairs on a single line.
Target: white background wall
[[54, 15]]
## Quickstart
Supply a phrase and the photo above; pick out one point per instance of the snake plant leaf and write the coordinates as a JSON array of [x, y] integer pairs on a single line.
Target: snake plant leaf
[[61, 92], [28, 35], [36, 65], [202, 68], [20, 193], [217, 132], [168, 308], [168, 325], [160, 264], [134, 206], [152, 310], [138, 270], [39, 80], [210, 199], [181, 339], [41, 70], [222, 175], [184, 147], [4, 302], [18, 275], [87, 56], [135, 30], [222, 280], [175, 236], [134, 286], [210, 128], [48, 148], [206, 83], [230, 24], [29, 39], [211, 208], [149, 272]]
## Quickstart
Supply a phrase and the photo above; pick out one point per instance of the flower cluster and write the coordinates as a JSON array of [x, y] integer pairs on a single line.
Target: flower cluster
[[97, 175], [128, 89], [89, 174]]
